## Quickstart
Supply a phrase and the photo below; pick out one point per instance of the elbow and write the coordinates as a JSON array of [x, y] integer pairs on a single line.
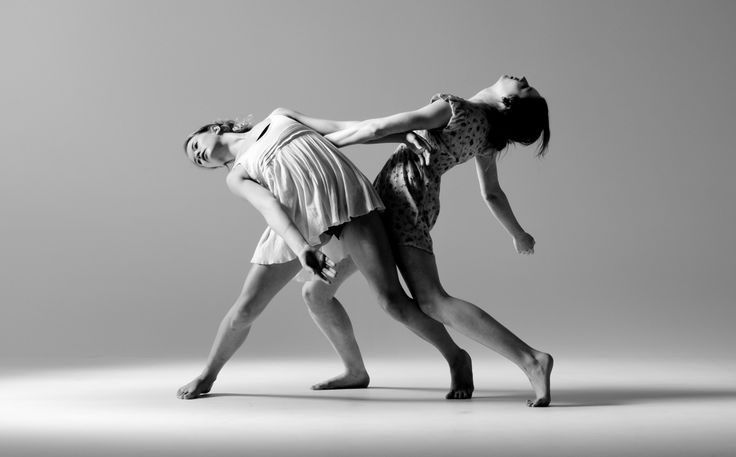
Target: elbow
[[492, 196], [375, 129]]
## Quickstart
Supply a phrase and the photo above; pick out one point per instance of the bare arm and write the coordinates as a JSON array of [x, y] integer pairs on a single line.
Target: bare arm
[[321, 126], [270, 208], [499, 205], [432, 116], [326, 126]]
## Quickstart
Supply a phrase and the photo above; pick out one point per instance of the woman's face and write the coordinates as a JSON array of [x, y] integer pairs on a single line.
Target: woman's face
[[206, 150], [512, 86]]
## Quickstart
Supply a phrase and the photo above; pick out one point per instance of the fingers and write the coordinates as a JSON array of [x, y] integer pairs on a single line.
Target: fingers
[[326, 272], [326, 275], [329, 272], [419, 146], [414, 142]]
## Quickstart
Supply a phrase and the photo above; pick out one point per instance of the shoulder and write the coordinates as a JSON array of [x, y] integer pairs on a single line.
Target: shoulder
[[438, 109], [443, 96], [450, 99], [457, 107], [236, 174]]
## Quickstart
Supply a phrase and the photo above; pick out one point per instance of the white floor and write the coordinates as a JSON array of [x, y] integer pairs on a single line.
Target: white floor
[[264, 408]]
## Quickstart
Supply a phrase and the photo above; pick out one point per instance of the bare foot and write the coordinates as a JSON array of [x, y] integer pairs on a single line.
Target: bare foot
[[200, 385], [461, 373], [348, 380], [539, 375]]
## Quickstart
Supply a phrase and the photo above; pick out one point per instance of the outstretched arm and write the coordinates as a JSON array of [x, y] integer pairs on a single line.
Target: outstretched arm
[[326, 126], [432, 116], [321, 126], [499, 205], [264, 201]]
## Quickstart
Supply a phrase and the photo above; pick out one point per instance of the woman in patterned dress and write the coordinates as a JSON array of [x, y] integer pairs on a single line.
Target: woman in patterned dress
[[307, 191], [451, 130]]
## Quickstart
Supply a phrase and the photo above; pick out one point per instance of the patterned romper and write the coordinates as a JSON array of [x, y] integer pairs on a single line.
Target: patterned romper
[[410, 191]]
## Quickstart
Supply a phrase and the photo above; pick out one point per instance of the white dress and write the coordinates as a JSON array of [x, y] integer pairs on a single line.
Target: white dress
[[317, 185]]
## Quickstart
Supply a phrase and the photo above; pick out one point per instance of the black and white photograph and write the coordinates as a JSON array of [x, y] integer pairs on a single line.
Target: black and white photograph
[[367, 228]]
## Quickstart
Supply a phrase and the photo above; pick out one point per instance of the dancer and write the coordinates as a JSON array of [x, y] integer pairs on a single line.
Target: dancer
[[307, 191], [453, 130]]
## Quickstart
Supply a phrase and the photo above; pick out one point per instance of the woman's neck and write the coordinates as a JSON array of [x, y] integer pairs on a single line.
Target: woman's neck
[[237, 143], [487, 97]]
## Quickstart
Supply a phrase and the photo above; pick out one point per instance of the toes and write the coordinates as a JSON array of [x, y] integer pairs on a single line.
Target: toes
[[458, 395], [538, 403]]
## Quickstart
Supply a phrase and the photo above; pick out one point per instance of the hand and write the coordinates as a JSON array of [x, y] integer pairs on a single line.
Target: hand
[[319, 264], [524, 243], [418, 146]]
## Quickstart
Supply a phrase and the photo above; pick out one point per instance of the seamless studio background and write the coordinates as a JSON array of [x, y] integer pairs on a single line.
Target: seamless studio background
[[114, 245]]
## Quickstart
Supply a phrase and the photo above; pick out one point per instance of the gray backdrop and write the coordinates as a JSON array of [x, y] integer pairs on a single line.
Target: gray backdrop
[[113, 244]]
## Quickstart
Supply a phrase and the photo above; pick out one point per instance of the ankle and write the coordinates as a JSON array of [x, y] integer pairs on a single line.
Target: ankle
[[529, 359], [206, 376], [457, 358], [356, 371]]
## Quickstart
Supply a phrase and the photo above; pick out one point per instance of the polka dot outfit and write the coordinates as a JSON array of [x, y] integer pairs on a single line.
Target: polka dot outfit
[[410, 191]]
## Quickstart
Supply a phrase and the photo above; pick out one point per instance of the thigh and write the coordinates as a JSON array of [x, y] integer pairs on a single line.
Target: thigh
[[419, 269], [263, 282], [316, 288], [366, 241], [411, 197]]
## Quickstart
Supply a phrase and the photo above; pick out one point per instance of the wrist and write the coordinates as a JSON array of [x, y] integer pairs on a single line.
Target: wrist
[[301, 248], [516, 234], [294, 239]]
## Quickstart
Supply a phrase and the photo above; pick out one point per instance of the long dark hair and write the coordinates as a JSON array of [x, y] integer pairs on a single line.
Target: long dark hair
[[226, 126], [523, 121]]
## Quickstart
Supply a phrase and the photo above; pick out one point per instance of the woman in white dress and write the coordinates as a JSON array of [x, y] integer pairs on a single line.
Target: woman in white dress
[[307, 191]]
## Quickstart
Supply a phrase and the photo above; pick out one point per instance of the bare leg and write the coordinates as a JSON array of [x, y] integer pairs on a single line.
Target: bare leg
[[366, 242], [261, 284], [330, 316], [419, 268]]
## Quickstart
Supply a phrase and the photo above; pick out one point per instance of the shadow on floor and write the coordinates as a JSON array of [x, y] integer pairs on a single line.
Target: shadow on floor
[[561, 398]]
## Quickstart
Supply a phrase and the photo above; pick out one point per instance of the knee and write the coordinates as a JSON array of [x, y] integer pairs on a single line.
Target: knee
[[315, 299], [432, 306], [396, 305], [244, 312]]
